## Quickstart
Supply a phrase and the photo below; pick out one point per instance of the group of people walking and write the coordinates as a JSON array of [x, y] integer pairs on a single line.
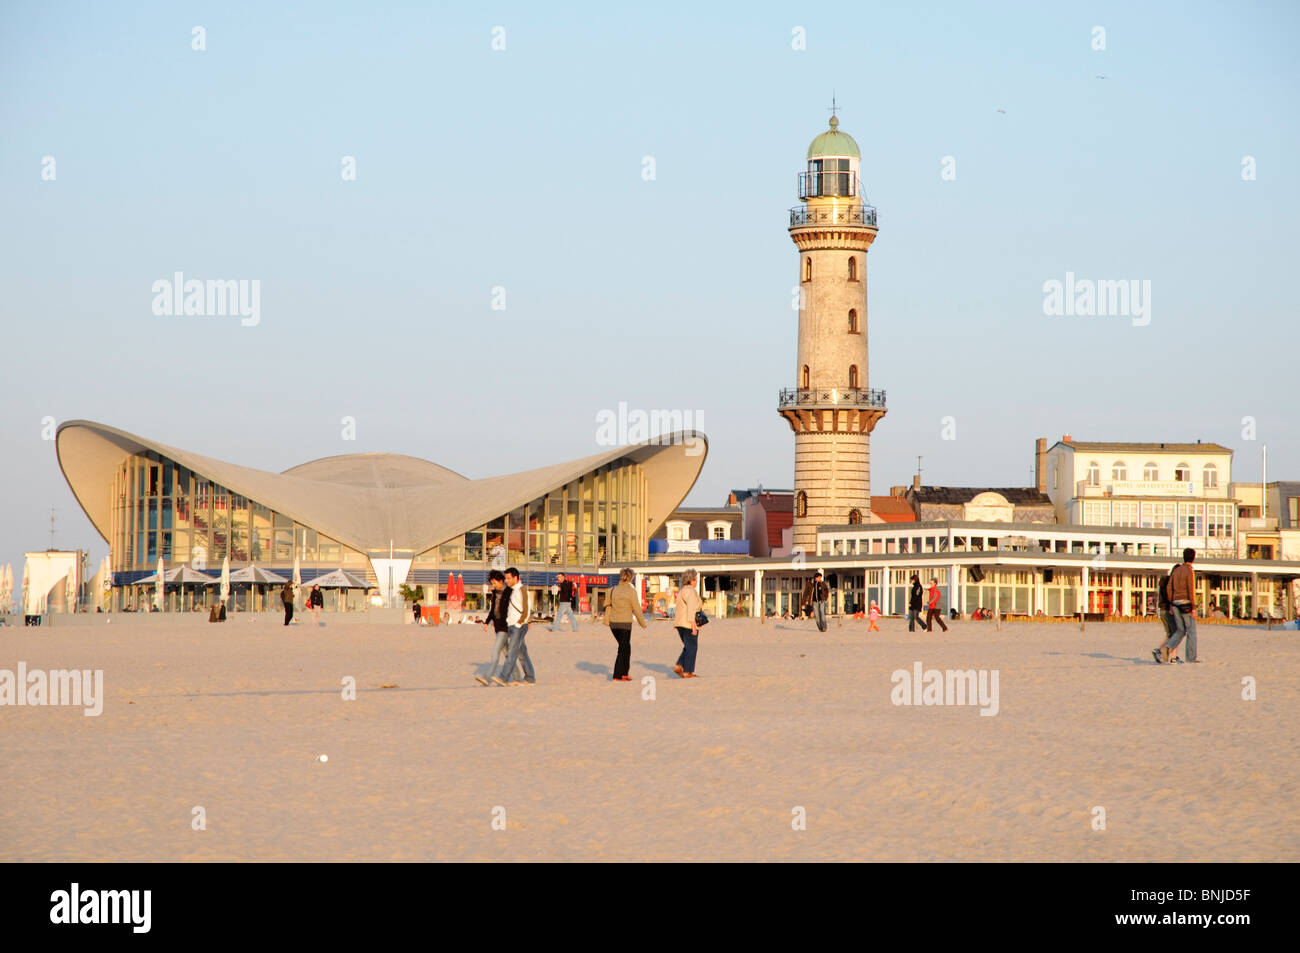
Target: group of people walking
[[932, 612], [509, 614]]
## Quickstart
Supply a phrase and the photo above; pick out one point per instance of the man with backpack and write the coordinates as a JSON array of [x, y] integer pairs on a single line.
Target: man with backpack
[[1166, 617], [1182, 609], [517, 616]]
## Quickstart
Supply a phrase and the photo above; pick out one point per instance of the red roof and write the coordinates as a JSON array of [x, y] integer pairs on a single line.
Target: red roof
[[892, 509]]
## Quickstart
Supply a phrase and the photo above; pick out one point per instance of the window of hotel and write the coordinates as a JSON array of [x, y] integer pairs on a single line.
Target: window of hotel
[[803, 378], [1158, 515], [1094, 473], [679, 530], [719, 529], [1183, 473], [1125, 513], [855, 516], [1293, 509], [853, 320], [1210, 476], [807, 269], [1118, 469], [1219, 520], [801, 504], [1150, 472], [1192, 524], [853, 377], [1096, 514], [719, 532], [853, 268]]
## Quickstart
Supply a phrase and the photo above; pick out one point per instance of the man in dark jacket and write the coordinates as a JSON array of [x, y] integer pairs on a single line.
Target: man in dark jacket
[[286, 594], [914, 603], [816, 594], [564, 606]]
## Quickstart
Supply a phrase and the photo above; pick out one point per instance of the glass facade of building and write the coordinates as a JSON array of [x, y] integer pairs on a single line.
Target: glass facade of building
[[161, 510], [596, 521]]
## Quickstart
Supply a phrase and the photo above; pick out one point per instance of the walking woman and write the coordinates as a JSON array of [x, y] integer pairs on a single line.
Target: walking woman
[[624, 606], [315, 600], [688, 603]]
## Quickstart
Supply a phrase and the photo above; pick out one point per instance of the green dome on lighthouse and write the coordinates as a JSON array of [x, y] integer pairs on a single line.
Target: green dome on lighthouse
[[834, 143]]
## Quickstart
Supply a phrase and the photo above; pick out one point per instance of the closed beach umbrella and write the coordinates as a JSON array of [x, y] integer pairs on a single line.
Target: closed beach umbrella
[[460, 588], [27, 581], [582, 592], [225, 579], [6, 588], [297, 580], [158, 585]]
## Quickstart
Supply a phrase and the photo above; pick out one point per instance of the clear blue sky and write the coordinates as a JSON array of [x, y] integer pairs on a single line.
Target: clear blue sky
[[522, 168]]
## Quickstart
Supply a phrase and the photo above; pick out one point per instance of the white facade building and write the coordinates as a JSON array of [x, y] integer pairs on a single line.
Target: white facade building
[[1181, 488]]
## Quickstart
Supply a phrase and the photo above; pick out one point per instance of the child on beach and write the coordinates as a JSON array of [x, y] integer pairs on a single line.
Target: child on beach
[[873, 614]]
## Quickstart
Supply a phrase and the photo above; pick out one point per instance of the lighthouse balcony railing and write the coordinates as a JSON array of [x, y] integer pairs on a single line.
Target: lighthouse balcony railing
[[831, 397], [833, 215]]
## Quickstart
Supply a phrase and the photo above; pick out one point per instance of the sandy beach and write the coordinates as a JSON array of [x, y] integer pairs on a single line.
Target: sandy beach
[[233, 718]]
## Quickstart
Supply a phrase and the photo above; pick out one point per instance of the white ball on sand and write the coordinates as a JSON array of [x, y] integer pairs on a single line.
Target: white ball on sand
[[324, 757]]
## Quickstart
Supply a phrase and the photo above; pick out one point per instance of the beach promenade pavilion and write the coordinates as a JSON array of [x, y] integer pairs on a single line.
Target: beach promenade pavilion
[[385, 518]]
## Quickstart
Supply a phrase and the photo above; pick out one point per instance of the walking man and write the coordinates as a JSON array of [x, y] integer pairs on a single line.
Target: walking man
[[517, 616], [1182, 609], [933, 614], [497, 619], [816, 594], [286, 595], [914, 603], [566, 597]]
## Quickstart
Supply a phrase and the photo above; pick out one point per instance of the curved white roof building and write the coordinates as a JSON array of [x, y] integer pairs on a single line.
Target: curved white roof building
[[151, 501]]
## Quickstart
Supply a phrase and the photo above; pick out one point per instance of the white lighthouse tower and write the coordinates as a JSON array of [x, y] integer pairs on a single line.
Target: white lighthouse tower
[[831, 409]]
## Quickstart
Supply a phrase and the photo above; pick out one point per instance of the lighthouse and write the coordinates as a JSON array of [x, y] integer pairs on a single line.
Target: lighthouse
[[831, 409]]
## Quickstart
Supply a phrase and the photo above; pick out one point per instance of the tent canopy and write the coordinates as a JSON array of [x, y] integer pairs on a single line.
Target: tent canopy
[[258, 575], [338, 579]]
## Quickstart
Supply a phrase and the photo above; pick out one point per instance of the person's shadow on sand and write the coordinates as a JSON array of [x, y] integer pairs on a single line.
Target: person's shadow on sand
[[657, 667], [1118, 658], [594, 669]]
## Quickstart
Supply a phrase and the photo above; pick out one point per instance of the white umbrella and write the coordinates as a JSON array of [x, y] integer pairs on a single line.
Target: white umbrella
[[225, 579], [258, 575], [338, 579], [297, 580], [27, 581], [158, 585], [6, 588]]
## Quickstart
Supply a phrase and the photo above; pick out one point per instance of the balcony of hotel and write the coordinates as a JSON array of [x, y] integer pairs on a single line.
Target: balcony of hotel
[[1147, 488]]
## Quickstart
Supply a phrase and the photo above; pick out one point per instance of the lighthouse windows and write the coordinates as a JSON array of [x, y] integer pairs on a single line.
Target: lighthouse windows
[[853, 320], [855, 517], [801, 505], [853, 377], [853, 268], [807, 268]]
